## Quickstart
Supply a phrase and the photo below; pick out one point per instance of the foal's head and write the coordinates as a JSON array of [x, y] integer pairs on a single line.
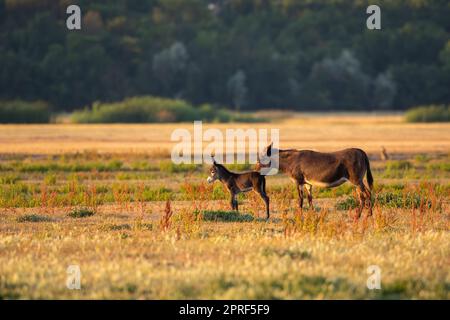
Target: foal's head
[[216, 172]]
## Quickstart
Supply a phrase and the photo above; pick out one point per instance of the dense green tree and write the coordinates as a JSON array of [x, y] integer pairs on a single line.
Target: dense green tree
[[169, 66], [237, 89], [248, 54]]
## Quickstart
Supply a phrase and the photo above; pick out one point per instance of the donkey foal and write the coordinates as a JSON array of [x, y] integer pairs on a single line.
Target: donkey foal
[[240, 182]]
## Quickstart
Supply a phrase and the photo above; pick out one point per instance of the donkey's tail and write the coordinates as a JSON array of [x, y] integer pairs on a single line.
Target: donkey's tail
[[368, 172]]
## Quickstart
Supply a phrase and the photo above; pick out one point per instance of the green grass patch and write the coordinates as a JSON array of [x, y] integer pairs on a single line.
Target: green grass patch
[[170, 167], [219, 192], [422, 158], [294, 286], [342, 190], [143, 166], [432, 113], [9, 179], [399, 169], [51, 166], [81, 213], [346, 204], [291, 253], [399, 165], [392, 200], [148, 109], [18, 111], [50, 179], [157, 194], [406, 288], [226, 216], [441, 166]]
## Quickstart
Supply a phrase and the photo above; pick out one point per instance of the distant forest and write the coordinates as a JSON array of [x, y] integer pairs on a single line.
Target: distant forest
[[244, 54]]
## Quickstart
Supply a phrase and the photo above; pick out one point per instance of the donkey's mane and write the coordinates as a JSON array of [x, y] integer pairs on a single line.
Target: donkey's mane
[[222, 167], [287, 151]]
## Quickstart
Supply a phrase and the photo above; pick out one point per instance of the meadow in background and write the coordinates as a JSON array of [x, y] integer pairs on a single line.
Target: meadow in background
[[108, 198]]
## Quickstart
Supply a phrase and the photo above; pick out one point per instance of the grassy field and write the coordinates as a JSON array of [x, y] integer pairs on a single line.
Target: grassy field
[[108, 199]]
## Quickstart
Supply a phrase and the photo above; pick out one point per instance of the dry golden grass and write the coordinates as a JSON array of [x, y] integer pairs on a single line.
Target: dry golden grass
[[129, 255]]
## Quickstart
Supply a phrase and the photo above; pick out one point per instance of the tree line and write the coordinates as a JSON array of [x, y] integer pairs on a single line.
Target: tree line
[[245, 54]]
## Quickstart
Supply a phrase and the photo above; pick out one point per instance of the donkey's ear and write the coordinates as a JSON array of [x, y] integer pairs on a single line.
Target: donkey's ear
[[269, 149], [214, 160]]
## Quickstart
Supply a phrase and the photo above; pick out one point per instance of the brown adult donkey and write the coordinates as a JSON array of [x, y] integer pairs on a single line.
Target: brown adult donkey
[[310, 168], [239, 182]]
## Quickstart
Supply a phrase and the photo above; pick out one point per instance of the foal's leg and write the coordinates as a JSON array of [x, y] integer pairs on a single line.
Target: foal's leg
[[300, 194], [233, 202], [308, 188]]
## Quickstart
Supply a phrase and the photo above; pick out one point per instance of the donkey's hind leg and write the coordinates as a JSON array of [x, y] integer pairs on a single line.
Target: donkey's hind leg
[[308, 188], [364, 199], [369, 200], [300, 194]]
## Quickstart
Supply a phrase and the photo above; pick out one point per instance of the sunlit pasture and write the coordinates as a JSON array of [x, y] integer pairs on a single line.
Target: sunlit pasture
[[108, 199]]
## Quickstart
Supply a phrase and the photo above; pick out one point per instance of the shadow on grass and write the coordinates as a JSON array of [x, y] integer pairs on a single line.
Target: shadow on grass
[[33, 218]]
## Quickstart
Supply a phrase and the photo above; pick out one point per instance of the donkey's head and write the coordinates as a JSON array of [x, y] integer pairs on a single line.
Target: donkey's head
[[214, 172], [267, 153], [268, 162]]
